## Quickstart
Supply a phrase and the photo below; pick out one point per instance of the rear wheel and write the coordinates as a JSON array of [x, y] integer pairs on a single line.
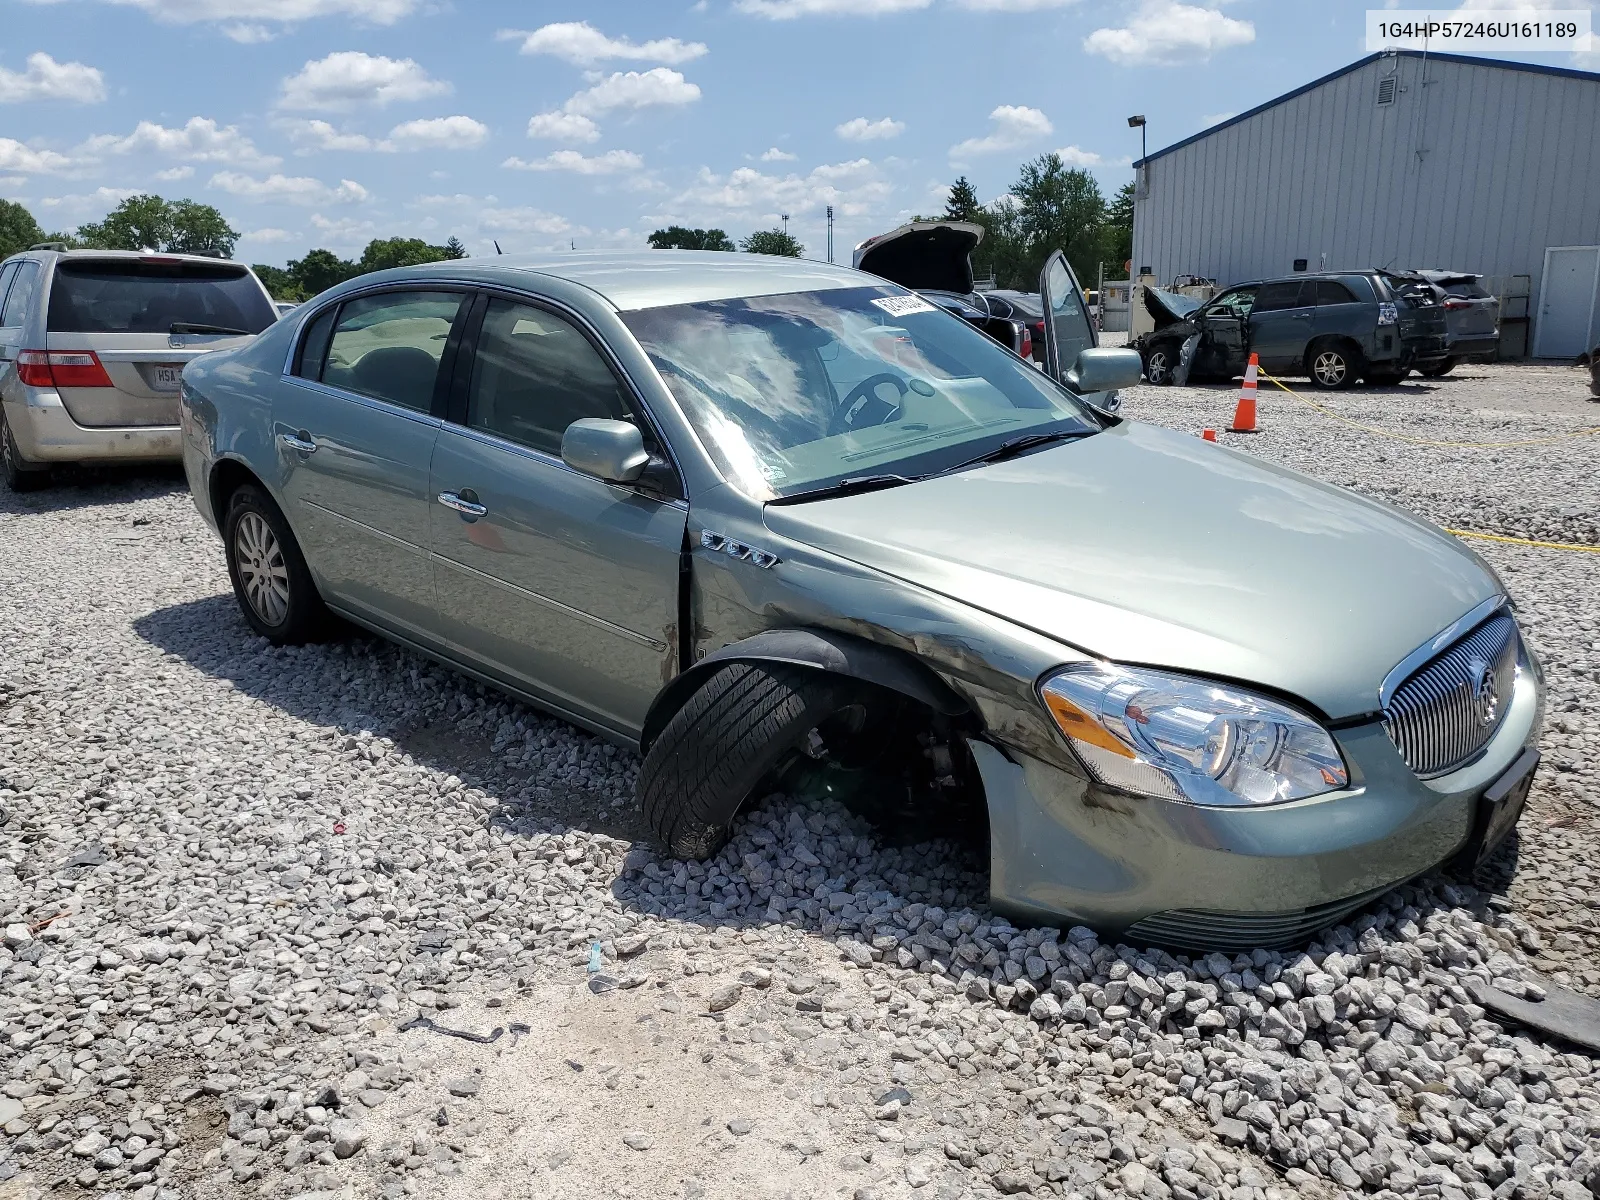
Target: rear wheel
[[20, 474], [1159, 363], [1433, 370], [270, 577], [745, 721], [1332, 365]]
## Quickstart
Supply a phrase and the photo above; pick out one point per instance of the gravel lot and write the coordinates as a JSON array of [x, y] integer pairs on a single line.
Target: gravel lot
[[231, 877]]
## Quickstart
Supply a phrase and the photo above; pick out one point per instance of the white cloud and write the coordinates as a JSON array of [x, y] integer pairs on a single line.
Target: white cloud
[[314, 135], [1012, 5], [1014, 125], [524, 220], [342, 231], [787, 10], [439, 133], [288, 189], [747, 194], [47, 79], [581, 43], [776, 155], [173, 174], [200, 139], [268, 236], [348, 78], [657, 87], [1163, 32], [248, 35], [187, 12], [1077, 156], [1216, 118], [859, 129], [609, 163], [563, 127], [25, 160]]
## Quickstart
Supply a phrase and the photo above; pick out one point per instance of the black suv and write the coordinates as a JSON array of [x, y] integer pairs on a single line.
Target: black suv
[[1336, 327]]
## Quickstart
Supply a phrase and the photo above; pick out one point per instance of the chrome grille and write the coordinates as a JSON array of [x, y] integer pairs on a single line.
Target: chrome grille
[[1446, 711]]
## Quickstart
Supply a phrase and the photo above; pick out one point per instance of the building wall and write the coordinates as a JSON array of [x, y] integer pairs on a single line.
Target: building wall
[[1479, 170]]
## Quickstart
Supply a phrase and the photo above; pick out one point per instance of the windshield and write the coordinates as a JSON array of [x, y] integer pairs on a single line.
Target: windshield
[[795, 392], [130, 295]]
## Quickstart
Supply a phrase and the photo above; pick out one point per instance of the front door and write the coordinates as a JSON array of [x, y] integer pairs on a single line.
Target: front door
[[1067, 329], [1222, 323], [1281, 322], [564, 586], [1567, 302], [354, 428]]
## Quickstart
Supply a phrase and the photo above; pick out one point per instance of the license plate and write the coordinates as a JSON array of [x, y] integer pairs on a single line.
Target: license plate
[[167, 377], [1504, 801]]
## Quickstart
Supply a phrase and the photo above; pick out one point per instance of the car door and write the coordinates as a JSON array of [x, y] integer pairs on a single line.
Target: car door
[[1222, 333], [1341, 313], [564, 586], [354, 426], [1067, 329], [1281, 322]]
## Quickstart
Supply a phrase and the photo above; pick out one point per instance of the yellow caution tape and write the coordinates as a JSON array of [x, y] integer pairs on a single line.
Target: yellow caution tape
[[1416, 441], [1516, 541]]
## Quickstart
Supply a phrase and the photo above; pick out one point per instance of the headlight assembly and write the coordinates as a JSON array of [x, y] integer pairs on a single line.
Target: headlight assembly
[[1185, 739]]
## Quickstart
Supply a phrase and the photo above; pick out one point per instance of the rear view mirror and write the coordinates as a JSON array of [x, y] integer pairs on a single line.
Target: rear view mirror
[[1104, 369], [609, 450]]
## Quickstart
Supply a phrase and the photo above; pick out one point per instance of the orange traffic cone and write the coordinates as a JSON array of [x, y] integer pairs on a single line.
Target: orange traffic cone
[[1244, 417], [1208, 435]]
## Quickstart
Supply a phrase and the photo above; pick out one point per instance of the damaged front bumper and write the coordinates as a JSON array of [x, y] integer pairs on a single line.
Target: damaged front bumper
[[1151, 871]]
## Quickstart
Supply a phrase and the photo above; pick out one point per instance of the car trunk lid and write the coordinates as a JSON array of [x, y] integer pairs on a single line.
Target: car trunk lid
[[933, 255], [144, 369]]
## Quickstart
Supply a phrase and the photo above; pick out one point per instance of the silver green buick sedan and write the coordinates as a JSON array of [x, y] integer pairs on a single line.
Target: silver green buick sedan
[[771, 520]]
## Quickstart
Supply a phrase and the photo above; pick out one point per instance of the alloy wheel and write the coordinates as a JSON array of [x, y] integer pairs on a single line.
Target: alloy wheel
[[1156, 369], [262, 570], [1330, 368]]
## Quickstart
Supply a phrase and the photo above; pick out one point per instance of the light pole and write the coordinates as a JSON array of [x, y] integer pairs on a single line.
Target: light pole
[[785, 218], [830, 233], [1138, 123]]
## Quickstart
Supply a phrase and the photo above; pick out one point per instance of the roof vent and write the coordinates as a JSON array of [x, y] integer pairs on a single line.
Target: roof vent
[[1386, 90]]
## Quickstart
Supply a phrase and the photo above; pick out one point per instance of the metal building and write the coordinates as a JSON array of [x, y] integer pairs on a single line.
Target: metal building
[[1402, 159]]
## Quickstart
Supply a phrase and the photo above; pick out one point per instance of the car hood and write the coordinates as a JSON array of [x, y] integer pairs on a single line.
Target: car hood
[[1146, 546], [923, 255], [1168, 308]]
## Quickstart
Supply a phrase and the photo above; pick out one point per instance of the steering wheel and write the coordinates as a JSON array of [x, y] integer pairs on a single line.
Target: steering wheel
[[863, 407]]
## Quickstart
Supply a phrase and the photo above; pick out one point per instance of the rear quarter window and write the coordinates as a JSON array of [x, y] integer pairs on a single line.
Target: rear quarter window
[[144, 296], [23, 285]]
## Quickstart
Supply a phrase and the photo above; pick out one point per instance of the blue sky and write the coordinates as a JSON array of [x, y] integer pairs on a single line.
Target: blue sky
[[549, 124]]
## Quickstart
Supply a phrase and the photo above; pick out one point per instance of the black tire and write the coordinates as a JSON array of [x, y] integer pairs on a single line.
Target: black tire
[[20, 474], [1433, 370], [745, 720], [290, 617], [1159, 363], [1333, 366]]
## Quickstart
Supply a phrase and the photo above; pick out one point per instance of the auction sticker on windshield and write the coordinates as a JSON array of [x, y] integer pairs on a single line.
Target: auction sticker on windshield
[[902, 306]]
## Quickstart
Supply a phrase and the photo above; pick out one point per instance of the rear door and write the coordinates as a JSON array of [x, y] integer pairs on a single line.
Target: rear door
[[143, 318], [1067, 329], [564, 586], [354, 426], [1281, 322]]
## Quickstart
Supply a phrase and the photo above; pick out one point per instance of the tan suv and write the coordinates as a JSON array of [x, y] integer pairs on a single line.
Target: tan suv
[[93, 345]]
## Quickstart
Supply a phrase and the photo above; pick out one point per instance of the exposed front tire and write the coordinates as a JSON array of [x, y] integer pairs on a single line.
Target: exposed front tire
[[1433, 370], [20, 474], [270, 578], [746, 720], [1159, 363], [1332, 366]]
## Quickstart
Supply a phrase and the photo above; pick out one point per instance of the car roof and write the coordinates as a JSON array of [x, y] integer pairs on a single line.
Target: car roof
[[133, 254], [633, 279]]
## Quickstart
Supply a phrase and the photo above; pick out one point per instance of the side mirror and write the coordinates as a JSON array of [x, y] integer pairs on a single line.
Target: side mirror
[[1104, 369], [609, 450]]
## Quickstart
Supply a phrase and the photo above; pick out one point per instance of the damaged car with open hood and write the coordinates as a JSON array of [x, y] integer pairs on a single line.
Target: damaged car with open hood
[[768, 520]]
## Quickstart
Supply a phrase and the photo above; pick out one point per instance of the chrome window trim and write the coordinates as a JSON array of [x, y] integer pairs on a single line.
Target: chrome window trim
[[1435, 645]]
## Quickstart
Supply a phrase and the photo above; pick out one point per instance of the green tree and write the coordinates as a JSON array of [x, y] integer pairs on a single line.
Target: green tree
[[148, 222], [383, 253], [453, 248], [1118, 234], [962, 203], [320, 270], [279, 283], [1059, 208], [18, 229], [772, 241], [678, 237]]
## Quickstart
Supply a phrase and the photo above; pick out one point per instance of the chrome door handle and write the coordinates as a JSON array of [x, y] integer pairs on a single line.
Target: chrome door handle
[[295, 442], [471, 509]]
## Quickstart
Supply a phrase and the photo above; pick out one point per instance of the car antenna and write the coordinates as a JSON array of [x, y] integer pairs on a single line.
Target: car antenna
[[497, 249]]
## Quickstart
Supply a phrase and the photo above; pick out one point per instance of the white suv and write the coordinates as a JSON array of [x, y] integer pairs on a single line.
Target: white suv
[[92, 349]]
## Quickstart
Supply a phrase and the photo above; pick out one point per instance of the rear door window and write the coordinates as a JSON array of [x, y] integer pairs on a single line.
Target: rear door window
[[1331, 291], [1274, 297], [148, 295], [1469, 289], [23, 284], [6, 272], [388, 345], [314, 345], [534, 374]]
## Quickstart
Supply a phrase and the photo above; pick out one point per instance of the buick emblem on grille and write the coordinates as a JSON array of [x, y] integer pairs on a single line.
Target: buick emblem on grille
[[1485, 691]]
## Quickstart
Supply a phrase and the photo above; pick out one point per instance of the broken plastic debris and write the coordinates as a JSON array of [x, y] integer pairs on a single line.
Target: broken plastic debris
[[421, 1022], [594, 958]]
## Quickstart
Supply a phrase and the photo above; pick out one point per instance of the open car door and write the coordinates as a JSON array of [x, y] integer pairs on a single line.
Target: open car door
[[1067, 329]]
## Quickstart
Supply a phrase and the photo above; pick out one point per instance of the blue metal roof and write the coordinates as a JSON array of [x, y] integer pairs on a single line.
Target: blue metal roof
[[1469, 59]]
